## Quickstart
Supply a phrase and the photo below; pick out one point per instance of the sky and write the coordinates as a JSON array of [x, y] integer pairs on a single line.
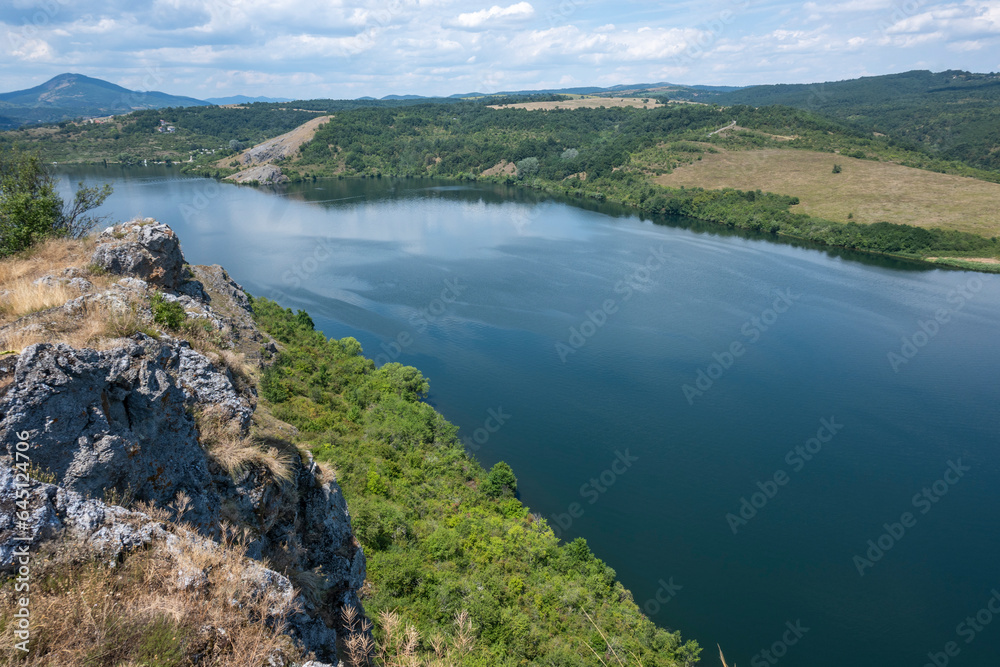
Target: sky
[[348, 49]]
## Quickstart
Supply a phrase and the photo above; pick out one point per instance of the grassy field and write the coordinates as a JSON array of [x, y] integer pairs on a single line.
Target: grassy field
[[586, 102], [868, 191]]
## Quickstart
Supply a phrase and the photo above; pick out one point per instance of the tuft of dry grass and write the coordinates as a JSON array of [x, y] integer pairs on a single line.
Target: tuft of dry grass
[[39, 260], [397, 643], [88, 612], [221, 437], [97, 325], [358, 643], [23, 298]]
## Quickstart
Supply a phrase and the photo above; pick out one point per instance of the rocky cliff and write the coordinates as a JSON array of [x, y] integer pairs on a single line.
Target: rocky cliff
[[123, 430]]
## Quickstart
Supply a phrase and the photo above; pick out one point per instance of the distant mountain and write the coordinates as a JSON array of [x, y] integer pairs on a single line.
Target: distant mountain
[[243, 99], [683, 92], [75, 95]]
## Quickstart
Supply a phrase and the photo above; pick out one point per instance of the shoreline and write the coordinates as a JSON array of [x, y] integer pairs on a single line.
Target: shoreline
[[978, 264]]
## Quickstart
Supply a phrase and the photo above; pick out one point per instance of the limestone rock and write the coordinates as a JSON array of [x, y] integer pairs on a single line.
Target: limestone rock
[[111, 531], [123, 423], [110, 420], [120, 423], [264, 174], [142, 249]]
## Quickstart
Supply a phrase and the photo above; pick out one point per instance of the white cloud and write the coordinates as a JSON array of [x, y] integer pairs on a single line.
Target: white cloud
[[849, 6], [496, 13], [571, 43], [968, 45], [360, 47], [32, 50]]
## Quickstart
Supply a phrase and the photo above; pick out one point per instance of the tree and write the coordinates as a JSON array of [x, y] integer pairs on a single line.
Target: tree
[[836, 169], [527, 167], [500, 481], [74, 221], [31, 209]]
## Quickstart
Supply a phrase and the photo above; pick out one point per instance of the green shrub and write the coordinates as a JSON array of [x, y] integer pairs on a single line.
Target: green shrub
[[31, 208], [437, 543], [500, 481], [167, 313], [271, 386], [376, 485]]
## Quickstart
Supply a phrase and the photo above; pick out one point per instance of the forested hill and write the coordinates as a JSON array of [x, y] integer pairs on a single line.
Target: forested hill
[[75, 95], [953, 114], [614, 153], [604, 152]]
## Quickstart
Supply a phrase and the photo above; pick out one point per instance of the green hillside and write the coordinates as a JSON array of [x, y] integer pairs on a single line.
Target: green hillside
[[954, 115]]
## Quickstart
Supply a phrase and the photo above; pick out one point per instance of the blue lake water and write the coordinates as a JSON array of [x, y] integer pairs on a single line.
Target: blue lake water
[[718, 414]]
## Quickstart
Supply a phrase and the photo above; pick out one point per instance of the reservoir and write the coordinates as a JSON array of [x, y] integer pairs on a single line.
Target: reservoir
[[786, 450]]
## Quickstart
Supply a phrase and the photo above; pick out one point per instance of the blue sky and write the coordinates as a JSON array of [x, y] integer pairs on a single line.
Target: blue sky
[[347, 49]]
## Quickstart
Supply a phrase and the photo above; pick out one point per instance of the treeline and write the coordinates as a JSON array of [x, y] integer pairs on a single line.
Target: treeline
[[468, 138], [608, 154], [954, 114], [252, 124], [767, 212], [443, 536]]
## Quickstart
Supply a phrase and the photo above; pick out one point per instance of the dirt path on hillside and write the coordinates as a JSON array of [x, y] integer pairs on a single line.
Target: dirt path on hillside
[[278, 148]]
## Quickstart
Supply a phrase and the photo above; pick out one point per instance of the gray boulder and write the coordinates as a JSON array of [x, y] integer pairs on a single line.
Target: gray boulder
[[119, 423], [142, 249], [113, 420]]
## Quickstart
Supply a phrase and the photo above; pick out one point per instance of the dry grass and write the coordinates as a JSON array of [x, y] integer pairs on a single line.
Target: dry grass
[[501, 168], [23, 298], [41, 259], [87, 612], [98, 325], [221, 437], [397, 644], [871, 191], [585, 102]]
